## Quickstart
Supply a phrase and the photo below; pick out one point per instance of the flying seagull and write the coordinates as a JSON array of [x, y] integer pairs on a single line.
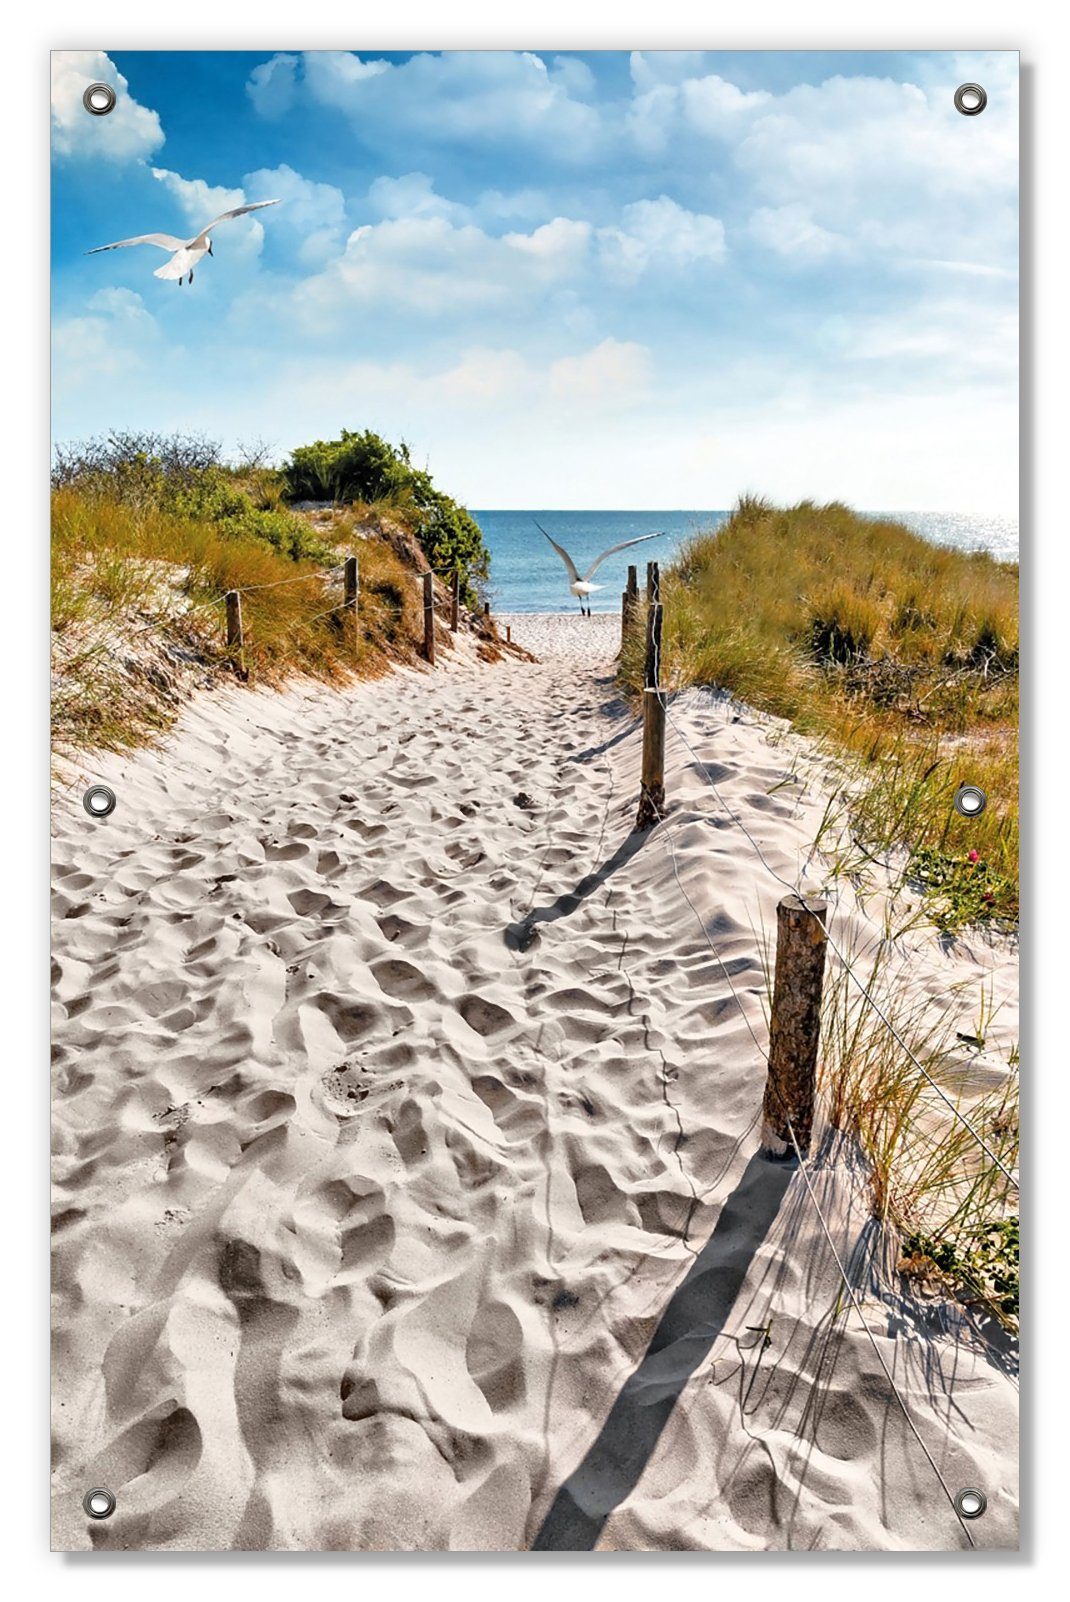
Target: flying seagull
[[582, 587], [185, 253]]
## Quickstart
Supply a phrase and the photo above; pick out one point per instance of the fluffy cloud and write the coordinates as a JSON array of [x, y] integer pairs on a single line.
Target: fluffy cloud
[[312, 217], [461, 97], [660, 234], [272, 86], [791, 232], [129, 132], [486, 380], [412, 195], [429, 266], [113, 337], [887, 166], [617, 369], [199, 202]]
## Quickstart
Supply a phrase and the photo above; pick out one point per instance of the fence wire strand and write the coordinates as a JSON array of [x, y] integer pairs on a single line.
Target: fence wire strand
[[841, 956]]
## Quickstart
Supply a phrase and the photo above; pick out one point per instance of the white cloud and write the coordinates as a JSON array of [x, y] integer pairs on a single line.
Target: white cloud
[[889, 166], [618, 369], [660, 234], [312, 216], [791, 231], [272, 86], [460, 96], [114, 337], [488, 381], [429, 265], [677, 109], [129, 132], [411, 195], [199, 202]]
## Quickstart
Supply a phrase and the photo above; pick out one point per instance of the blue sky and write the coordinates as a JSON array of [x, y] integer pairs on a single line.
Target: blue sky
[[607, 280]]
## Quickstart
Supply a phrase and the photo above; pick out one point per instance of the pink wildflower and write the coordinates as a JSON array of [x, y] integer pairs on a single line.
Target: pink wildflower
[[973, 856]]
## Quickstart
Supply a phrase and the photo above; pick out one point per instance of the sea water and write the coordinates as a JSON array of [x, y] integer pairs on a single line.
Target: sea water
[[527, 575]]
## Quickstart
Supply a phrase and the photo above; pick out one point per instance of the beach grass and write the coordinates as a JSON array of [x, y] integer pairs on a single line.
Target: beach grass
[[138, 600], [938, 1145], [150, 532], [900, 654]]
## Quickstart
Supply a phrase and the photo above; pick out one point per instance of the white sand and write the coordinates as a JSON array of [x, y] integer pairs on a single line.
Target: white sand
[[397, 1117]]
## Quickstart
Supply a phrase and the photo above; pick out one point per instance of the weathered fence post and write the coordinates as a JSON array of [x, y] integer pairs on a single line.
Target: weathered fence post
[[652, 662], [429, 618], [652, 784], [486, 609], [352, 585], [795, 1027], [629, 603], [508, 634], [455, 601], [235, 632], [653, 583]]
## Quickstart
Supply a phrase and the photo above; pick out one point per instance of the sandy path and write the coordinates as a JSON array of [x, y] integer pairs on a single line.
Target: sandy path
[[401, 1108]]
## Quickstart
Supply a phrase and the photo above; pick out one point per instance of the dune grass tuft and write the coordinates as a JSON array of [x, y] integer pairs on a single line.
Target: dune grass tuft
[[902, 654]]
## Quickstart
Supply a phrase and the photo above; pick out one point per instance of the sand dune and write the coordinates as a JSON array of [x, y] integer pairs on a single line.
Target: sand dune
[[406, 1187]]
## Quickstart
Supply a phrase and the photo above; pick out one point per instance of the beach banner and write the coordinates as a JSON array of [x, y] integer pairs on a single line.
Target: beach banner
[[535, 801]]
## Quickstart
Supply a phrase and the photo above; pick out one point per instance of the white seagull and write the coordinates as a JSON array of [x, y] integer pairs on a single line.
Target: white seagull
[[185, 253], [582, 587]]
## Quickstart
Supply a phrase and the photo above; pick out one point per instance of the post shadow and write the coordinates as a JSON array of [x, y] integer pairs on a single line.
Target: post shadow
[[518, 935], [692, 1321]]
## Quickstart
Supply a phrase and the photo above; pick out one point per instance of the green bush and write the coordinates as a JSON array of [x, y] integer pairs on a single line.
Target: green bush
[[365, 467]]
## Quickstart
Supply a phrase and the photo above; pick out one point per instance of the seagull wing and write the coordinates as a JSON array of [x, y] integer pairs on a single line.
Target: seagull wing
[[239, 211], [164, 241], [563, 554], [623, 546]]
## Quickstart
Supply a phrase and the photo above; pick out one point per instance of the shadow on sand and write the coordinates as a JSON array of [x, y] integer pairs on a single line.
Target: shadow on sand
[[518, 936], [692, 1321]]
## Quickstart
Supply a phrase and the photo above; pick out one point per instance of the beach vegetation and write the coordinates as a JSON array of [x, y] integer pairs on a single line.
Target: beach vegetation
[[899, 653], [938, 1141], [149, 532], [362, 467]]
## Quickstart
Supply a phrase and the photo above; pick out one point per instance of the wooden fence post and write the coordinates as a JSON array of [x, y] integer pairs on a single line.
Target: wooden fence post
[[508, 634], [652, 786], [652, 663], [486, 609], [455, 601], [795, 1027], [429, 618], [629, 604], [352, 585], [653, 583], [235, 632]]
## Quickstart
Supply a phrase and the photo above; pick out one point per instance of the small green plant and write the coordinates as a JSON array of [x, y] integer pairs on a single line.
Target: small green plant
[[961, 889], [982, 1261]]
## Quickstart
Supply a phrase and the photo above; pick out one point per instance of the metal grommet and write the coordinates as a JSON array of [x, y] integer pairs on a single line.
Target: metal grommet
[[99, 99], [970, 1504], [99, 1503], [970, 800], [99, 801], [970, 99]]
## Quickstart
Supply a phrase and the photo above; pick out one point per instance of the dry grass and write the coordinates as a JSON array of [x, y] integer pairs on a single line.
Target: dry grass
[[902, 654], [137, 606], [941, 1191]]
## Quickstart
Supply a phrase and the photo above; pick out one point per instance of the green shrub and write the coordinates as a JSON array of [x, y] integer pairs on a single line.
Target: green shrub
[[365, 467]]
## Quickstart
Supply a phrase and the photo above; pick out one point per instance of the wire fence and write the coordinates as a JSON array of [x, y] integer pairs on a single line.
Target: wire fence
[[77, 657]]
